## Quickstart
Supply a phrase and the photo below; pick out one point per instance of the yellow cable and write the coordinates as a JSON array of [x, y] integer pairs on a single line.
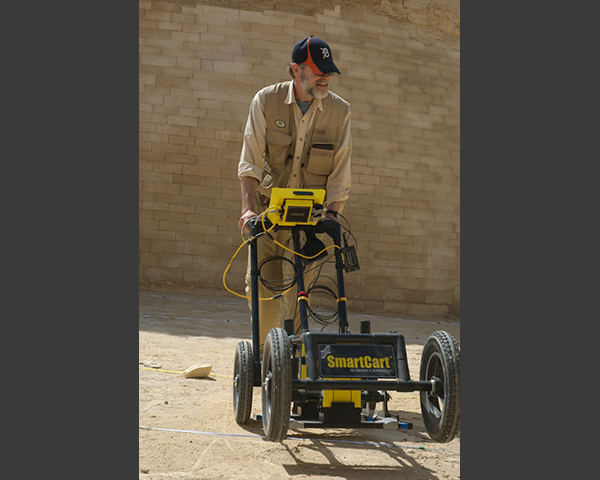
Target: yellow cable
[[262, 217], [159, 370], [229, 265], [238, 250]]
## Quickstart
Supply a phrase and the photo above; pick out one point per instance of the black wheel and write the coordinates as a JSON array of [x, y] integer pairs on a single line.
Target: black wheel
[[440, 361], [243, 374], [276, 388]]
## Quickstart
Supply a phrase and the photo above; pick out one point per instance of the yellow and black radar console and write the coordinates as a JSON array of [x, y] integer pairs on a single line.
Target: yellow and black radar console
[[294, 206]]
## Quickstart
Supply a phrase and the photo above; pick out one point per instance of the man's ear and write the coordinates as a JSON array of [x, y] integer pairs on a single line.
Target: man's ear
[[296, 70]]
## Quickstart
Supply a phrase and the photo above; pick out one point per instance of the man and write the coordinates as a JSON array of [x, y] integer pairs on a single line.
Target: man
[[297, 136]]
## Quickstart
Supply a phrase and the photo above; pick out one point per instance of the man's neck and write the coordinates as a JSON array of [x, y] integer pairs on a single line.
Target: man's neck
[[300, 94]]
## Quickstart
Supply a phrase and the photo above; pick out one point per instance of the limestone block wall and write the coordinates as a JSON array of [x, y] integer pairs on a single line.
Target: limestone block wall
[[200, 64]]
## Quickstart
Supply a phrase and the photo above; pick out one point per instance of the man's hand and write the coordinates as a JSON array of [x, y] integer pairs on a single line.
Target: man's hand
[[330, 217], [243, 223], [332, 207]]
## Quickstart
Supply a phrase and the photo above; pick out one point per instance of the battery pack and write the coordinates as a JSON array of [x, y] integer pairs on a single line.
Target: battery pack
[[350, 258]]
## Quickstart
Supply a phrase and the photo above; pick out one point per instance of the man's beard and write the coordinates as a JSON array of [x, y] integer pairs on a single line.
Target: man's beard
[[312, 89]]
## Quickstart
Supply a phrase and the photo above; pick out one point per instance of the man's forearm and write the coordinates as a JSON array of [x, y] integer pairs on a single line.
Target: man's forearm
[[335, 206], [249, 187]]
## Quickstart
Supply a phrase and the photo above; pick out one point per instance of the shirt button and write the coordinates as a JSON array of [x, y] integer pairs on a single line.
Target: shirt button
[[295, 175]]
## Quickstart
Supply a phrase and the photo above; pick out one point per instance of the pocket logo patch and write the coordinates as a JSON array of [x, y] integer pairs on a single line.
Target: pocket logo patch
[[280, 123]]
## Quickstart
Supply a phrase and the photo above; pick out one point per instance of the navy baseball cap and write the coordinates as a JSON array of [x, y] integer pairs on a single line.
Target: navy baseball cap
[[315, 53]]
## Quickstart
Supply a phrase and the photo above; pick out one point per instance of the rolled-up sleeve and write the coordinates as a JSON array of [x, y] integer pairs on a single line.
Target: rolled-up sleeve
[[340, 180], [251, 159]]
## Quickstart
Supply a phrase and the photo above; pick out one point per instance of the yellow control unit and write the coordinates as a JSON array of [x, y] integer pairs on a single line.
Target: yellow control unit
[[294, 206]]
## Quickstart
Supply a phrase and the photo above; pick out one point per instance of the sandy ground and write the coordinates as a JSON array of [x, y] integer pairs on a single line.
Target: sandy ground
[[201, 439]]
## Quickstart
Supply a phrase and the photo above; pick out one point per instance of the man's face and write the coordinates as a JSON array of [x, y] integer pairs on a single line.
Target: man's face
[[317, 86]]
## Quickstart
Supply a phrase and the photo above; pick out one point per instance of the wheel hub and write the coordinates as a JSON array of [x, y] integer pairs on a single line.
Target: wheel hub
[[267, 383], [437, 387]]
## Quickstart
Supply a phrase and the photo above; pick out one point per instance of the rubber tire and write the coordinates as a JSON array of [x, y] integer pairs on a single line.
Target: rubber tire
[[441, 410], [276, 385], [243, 374]]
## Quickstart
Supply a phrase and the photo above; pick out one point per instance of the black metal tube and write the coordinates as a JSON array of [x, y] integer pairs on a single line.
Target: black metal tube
[[339, 267], [366, 385], [300, 280], [255, 295], [310, 356], [352, 338], [402, 361]]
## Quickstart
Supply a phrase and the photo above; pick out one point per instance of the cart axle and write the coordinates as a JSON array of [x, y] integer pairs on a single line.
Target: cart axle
[[366, 385]]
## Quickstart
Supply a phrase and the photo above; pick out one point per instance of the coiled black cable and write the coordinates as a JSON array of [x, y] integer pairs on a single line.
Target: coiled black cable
[[278, 285]]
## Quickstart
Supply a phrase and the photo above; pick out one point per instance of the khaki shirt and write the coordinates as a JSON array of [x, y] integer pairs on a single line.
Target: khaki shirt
[[252, 158]]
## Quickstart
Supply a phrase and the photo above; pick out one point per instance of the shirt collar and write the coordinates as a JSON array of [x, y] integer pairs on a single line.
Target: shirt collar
[[291, 97]]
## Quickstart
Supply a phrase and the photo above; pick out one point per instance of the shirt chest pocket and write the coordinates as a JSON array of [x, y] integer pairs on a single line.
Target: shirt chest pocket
[[320, 160], [319, 165], [278, 145]]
